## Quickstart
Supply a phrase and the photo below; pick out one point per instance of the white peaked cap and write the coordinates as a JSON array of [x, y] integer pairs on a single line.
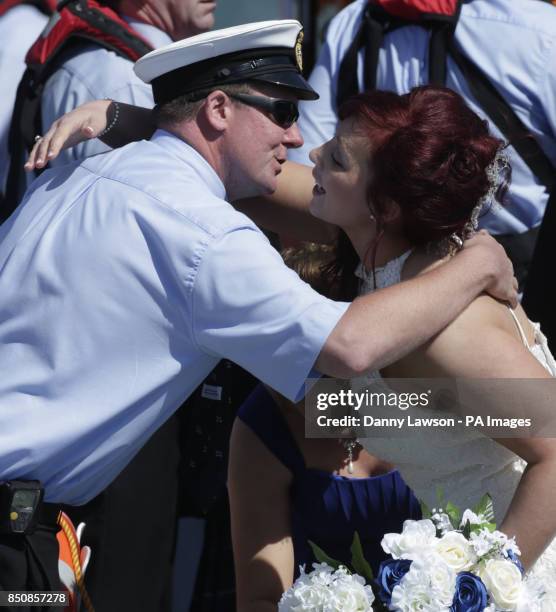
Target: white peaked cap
[[266, 51]]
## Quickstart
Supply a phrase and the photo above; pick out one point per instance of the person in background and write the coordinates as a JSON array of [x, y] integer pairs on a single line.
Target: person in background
[[20, 26]]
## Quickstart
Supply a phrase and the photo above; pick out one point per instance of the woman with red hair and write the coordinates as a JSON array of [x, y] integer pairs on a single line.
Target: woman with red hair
[[405, 179]]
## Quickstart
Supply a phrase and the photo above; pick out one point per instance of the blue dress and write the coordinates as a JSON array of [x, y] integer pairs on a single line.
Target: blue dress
[[326, 508]]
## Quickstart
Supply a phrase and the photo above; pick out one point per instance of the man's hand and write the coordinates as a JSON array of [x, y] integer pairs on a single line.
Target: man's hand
[[490, 256], [83, 123]]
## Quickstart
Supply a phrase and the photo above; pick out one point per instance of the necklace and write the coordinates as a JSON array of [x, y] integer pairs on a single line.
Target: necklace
[[349, 445]]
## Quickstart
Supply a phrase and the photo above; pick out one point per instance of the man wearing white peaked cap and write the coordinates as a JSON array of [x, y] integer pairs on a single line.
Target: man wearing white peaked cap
[[180, 278]]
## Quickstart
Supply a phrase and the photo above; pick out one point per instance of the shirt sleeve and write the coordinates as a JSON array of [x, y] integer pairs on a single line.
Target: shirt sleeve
[[248, 306]]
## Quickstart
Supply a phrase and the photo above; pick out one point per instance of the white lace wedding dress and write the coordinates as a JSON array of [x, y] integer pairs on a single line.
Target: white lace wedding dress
[[464, 463]]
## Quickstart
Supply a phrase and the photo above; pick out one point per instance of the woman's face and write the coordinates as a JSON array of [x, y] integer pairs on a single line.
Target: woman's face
[[342, 178]]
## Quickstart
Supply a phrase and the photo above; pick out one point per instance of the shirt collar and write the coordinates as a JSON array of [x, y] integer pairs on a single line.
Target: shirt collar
[[157, 38], [190, 156]]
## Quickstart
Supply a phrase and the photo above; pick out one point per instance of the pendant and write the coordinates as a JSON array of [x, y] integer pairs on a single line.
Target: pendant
[[349, 445]]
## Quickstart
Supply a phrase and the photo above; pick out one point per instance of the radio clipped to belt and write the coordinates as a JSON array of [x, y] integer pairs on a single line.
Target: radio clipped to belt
[[20, 504]]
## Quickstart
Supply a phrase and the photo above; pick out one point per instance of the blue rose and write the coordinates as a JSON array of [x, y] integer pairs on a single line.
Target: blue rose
[[515, 560], [390, 573], [471, 594]]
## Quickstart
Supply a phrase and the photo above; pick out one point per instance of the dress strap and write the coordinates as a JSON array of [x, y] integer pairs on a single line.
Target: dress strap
[[261, 414], [520, 328]]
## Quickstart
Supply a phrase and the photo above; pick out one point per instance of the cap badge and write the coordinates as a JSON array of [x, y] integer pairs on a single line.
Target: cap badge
[[298, 51]]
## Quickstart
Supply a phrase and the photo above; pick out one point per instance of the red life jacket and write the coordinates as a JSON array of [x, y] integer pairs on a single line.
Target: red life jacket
[[73, 22], [86, 20], [416, 10], [46, 6]]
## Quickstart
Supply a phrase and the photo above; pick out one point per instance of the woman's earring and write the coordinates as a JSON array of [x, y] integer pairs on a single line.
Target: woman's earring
[[372, 217]]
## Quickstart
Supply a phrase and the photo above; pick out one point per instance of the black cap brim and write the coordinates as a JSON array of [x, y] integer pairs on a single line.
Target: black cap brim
[[291, 80], [274, 66]]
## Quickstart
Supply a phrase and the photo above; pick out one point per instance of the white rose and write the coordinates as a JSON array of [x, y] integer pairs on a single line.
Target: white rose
[[441, 577], [351, 595], [302, 597], [503, 581], [456, 551], [416, 537], [415, 593]]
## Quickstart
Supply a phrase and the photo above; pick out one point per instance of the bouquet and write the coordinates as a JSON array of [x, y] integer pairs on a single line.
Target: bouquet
[[447, 562]]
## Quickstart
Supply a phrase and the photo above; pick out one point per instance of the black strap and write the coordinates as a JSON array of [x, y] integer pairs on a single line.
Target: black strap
[[375, 24], [501, 113], [539, 297], [25, 121], [438, 52], [373, 35], [347, 75]]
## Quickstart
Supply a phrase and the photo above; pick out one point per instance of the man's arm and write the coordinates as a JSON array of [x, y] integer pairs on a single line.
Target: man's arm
[[380, 328], [247, 306]]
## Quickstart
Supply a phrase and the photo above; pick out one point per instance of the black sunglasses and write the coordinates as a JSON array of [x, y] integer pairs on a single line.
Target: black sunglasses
[[284, 112]]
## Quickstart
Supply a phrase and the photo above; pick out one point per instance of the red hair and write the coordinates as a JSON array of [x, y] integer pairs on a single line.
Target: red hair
[[430, 153]]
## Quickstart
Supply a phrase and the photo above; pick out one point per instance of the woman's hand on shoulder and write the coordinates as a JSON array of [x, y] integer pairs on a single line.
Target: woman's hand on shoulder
[[490, 256], [83, 123]]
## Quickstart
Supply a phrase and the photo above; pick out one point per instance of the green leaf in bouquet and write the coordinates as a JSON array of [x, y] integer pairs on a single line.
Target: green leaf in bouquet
[[425, 510], [486, 508], [454, 513], [360, 565], [467, 529], [322, 557]]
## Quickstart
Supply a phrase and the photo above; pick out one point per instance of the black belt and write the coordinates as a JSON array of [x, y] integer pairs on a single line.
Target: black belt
[[48, 514]]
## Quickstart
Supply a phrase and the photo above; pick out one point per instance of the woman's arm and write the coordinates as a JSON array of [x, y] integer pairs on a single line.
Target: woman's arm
[[483, 343], [88, 121], [258, 486], [286, 212]]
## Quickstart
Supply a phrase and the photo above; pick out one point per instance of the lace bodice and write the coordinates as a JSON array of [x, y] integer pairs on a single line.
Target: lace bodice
[[464, 463]]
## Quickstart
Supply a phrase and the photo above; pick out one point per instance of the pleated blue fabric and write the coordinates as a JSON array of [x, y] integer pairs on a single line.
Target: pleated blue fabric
[[326, 508]]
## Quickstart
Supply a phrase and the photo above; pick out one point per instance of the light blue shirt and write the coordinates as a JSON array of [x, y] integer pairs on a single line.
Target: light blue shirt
[[19, 28], [90, 72], [124, 279], [512, 41]]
